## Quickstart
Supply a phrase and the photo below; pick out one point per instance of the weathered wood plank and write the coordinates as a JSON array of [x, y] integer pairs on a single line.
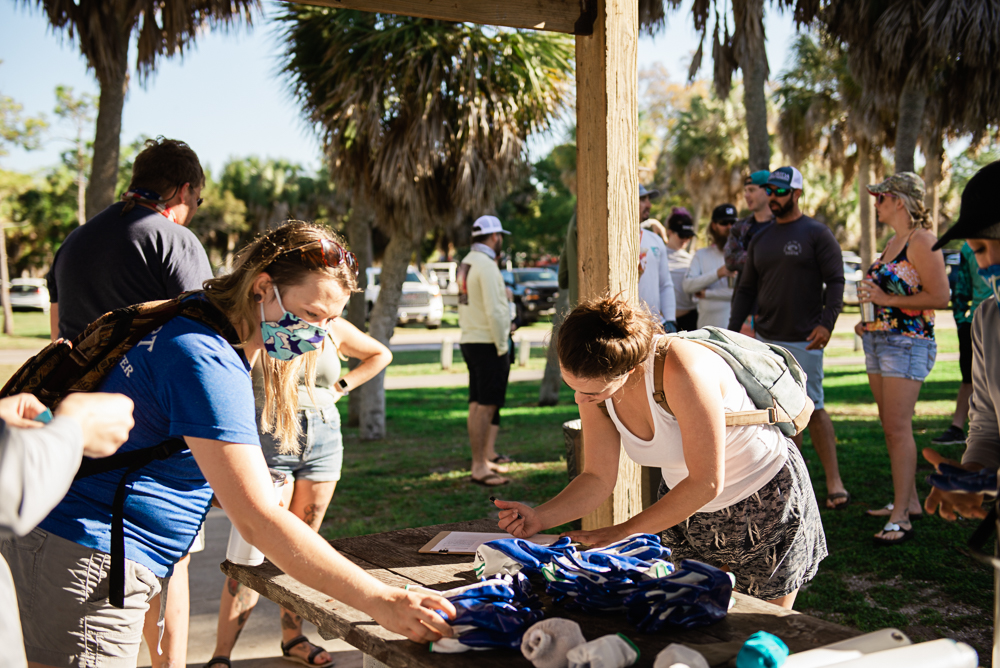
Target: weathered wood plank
[[566, 16], [608, 189], [391, 559]]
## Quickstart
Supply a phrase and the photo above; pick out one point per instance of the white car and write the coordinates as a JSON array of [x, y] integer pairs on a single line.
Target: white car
[[445, 274], [420, 302], [29, 293], [852, 276]]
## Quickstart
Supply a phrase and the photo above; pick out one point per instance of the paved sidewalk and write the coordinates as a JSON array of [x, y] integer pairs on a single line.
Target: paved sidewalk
[[259, 645]]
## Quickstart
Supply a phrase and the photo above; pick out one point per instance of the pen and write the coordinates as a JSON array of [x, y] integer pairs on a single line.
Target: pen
[[517, 515]]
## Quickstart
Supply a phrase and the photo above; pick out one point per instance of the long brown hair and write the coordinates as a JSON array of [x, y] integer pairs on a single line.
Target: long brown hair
[[605, 338], [233, 295]]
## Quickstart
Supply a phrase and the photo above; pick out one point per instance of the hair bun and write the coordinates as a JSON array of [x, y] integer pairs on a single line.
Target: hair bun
[[617, 313]]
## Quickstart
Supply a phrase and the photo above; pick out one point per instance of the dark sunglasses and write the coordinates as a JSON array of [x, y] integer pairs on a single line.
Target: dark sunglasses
[[727, 223], [780, 192], [199, 202], [880, 197], [324, 253]]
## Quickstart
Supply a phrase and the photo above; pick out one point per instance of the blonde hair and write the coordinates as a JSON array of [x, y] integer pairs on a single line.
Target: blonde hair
[[605, 338], [233, 295], [919, 216]]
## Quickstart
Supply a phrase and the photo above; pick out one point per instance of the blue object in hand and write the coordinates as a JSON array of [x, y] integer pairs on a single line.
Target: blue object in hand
[[953, 479], [44, 417], [762, 650]]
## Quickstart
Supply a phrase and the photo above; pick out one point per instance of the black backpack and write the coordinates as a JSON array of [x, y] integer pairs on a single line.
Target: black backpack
[[63, 367]]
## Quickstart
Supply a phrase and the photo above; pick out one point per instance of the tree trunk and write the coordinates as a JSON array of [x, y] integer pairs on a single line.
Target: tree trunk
[[548, 394], [381, 323], [8, 312], [359, 236], [909, 121], [865, 205], [933, 149], [754, 65], [107, 138]]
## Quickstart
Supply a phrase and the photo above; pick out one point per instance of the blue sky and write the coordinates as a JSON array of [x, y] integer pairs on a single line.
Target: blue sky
[[224, 96]]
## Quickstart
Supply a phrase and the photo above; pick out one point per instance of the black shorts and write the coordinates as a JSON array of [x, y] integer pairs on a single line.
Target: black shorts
[[965, 351], [488, 373]]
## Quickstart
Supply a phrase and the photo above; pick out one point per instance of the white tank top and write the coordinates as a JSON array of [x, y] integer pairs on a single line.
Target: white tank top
[[754, 454]]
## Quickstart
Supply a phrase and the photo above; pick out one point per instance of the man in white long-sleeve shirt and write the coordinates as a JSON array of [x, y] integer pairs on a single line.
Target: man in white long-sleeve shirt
[[37, 465], [484, 317], [707, 277], [656, 287]]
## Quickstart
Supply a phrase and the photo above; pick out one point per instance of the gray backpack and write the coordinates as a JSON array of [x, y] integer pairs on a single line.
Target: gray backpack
[[773, 379]]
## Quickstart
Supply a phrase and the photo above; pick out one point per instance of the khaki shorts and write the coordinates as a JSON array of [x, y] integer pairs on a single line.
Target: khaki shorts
[[62, 591]]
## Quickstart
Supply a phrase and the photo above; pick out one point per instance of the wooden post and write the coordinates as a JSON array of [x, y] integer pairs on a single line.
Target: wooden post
[[608, 187], [523, 352], [447, 351]]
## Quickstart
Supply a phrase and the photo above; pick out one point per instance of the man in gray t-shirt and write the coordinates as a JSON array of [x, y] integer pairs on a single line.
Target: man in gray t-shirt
[[135, 251], [795, 272]]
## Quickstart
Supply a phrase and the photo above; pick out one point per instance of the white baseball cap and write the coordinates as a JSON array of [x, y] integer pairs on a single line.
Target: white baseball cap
[[487, 225]]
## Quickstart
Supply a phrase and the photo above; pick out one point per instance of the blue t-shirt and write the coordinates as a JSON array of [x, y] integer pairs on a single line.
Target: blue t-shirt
[[185, 380]]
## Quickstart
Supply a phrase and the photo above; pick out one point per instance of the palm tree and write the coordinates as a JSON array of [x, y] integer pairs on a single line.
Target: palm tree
[[743, 49], [931, 64], [103, 29], [425, 120]]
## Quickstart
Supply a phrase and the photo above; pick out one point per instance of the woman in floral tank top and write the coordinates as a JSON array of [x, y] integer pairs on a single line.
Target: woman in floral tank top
[[905, 284]]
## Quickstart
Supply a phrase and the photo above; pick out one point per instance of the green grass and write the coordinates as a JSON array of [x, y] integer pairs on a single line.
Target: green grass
[[428, 362], [31, 330], [419, 476]]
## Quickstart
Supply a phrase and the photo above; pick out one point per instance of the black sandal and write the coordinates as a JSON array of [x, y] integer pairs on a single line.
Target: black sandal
[[295, 642], [219, 660]]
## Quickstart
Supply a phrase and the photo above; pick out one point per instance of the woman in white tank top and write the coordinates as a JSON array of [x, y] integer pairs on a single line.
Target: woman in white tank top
[[738, 498]]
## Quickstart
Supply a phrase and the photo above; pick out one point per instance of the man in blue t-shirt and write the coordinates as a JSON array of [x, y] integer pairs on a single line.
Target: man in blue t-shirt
[[794, 271], [138, 250]]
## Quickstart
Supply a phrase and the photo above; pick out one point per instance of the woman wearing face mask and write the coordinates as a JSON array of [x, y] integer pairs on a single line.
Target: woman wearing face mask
[[285, 295], [717, 480], [979, 223], [906, 284]]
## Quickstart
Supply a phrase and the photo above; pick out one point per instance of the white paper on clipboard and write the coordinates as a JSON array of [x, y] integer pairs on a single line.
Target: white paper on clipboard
[[466, 542]]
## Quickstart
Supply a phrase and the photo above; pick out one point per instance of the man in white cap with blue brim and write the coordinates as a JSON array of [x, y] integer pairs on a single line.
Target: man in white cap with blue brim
[[484, 317]]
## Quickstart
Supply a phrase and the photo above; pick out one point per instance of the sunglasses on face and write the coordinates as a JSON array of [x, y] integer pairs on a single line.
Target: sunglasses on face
[[324, 253], [879, 198], [725, 223], [777, 192]]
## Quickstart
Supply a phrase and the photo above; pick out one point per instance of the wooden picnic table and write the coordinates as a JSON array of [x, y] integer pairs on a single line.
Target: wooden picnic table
[[392, 557]]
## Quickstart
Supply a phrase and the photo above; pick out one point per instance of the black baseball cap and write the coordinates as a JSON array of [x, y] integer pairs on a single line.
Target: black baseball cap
[[979, 217], [680, 222], [724, 212]]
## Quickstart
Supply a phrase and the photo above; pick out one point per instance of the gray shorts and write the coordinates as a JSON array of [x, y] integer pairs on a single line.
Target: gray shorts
[[62, 592], [772, 541]]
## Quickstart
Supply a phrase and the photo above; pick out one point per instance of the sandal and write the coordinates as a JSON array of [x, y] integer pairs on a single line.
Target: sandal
[[502, 459], [491, 480], [286, 653], [893, 527], [886, 511], [219, 660], [830, 498]]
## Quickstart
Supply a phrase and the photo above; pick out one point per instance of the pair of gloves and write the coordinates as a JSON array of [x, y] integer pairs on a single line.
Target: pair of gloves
[[559, 643]]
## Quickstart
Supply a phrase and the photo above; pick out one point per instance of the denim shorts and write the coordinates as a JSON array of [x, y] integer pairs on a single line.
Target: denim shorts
[[898, 356], [62, 591], [321, 446], [811, 362]]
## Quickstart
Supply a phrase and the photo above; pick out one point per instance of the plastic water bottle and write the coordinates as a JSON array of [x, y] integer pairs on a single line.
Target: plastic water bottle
[[239, 551]]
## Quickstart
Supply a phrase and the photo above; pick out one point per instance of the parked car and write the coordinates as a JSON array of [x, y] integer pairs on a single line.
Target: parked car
[[445, 274], [29, 294], [535, 292], [853, 275], [420, 302]]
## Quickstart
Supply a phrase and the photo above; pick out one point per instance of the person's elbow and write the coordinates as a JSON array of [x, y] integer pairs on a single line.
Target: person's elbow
[[709, 486]]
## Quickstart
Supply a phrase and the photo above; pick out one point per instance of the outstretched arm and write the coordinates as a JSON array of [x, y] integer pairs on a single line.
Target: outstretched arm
[[239, 478]]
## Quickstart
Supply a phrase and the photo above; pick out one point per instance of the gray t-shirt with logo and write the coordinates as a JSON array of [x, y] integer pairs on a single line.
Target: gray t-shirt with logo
[[116, 260], [795, 271]]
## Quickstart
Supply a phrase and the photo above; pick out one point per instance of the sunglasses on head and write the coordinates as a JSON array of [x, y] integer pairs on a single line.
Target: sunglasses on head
[[780, 192], [324, 253], [880, 197]]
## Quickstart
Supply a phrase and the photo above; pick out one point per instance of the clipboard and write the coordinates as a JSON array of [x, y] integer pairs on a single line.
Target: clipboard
[[466, 542]]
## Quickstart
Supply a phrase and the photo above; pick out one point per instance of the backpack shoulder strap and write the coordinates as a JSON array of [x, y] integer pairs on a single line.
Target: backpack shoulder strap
[[663, 345]]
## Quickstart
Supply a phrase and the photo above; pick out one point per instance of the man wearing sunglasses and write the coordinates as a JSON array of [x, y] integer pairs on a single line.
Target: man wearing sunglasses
[[794, 271], [138, 250]]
